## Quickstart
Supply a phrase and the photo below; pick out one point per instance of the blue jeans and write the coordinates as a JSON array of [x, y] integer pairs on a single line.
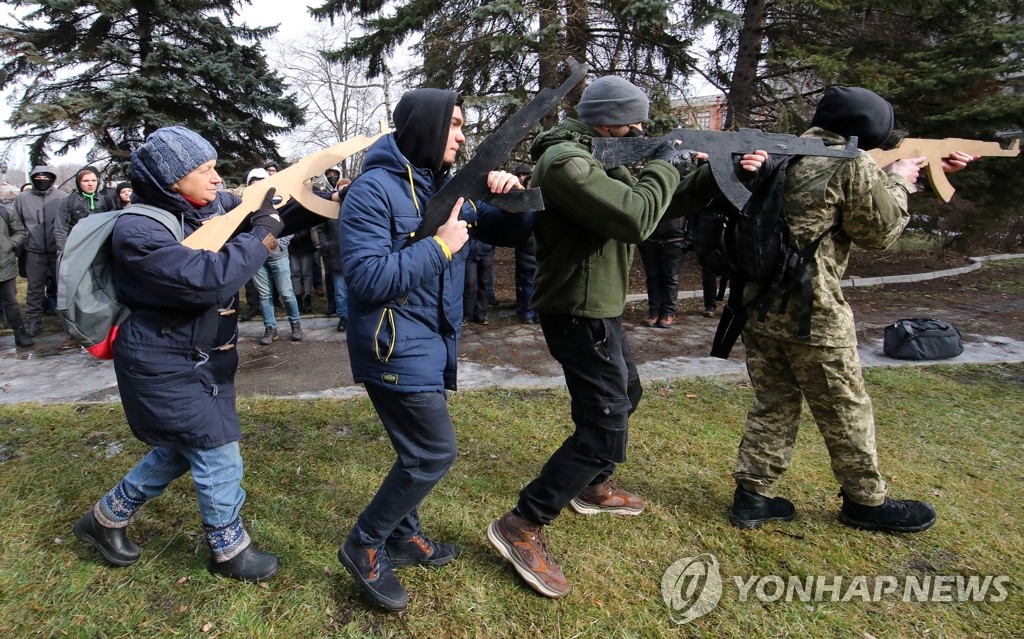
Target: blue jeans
[[340, 294], [281, 273], [421, 432], [216, 474]]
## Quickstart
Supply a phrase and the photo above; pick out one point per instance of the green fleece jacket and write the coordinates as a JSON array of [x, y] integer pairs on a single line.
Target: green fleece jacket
[[593, 219]]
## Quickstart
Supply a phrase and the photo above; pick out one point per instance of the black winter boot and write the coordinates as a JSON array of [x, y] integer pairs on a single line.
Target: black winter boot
[[252, 565], [112, 543], [751, 510], [419, 550], [21, 338], [371, 569], [894, 515]]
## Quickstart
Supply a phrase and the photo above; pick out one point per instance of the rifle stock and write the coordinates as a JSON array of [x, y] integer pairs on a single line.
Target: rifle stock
[[935, 150], [290, 184], [720, 146]]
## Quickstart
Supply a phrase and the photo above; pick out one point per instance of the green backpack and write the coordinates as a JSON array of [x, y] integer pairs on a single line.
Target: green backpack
[[87, 301]]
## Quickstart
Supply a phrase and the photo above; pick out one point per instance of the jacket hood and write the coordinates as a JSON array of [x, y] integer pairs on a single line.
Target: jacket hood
[[78, 179], [43, 168], [851, 111], [569, 130], [384, 154], [422, 122]]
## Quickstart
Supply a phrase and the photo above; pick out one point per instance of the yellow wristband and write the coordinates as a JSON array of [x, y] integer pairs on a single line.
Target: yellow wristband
[[444, 247]]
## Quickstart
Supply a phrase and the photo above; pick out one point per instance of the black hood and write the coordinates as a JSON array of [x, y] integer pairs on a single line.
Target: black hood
[[851, 111], [422, 123], [78, 179]]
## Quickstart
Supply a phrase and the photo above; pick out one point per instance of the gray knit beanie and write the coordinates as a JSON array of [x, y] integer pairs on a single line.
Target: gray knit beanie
[[173, 152], [611, 101]]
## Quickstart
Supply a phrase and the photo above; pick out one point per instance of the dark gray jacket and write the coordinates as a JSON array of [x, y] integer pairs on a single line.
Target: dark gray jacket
[[38, 212]]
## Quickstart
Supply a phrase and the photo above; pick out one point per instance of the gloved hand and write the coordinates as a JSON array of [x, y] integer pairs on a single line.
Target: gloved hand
[[677, 156], [266, 216]]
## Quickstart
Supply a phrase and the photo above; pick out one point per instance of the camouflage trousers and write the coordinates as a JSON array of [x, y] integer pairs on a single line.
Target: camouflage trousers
[[782, 374]]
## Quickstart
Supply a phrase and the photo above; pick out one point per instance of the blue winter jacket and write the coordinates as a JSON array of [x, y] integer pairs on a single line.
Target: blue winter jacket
[[405, 300], [175, 356]]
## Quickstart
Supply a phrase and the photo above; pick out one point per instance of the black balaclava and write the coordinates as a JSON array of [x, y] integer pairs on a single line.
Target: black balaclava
[[42, 182], [856, 111], [422, 123]]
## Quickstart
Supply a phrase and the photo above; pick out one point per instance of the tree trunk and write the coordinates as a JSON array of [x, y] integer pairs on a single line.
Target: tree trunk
[[748, 55]]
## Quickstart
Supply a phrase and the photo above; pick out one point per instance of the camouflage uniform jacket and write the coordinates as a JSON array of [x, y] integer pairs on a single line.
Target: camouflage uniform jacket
[[870, 205]]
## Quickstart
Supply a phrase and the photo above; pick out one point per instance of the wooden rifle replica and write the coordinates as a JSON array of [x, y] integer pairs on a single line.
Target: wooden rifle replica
[[290, 184], [471, 181], [935, 151], [721, 147]]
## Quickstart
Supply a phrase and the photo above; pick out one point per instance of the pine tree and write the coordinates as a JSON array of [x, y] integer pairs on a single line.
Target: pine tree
[[498, 53], [107, 74]]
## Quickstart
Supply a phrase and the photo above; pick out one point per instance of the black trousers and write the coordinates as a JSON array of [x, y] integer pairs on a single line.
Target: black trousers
[[661, 265], [526, 268], [421, 432], [605, 390], [474, 297]]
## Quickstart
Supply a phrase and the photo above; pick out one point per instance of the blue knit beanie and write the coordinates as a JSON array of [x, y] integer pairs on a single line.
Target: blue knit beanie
[[612, 101], [173, 152]]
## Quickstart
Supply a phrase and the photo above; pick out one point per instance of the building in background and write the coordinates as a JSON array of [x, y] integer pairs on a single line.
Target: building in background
[[706, 112]]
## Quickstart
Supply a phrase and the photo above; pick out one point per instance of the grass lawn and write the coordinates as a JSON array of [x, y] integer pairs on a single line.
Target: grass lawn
[[948, 434]]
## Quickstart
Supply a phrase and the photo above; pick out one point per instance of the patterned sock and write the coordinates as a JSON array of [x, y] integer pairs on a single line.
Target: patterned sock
[[228, 541], [115, 509]]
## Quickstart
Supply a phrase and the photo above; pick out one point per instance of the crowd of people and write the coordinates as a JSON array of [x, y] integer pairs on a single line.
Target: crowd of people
[[403, 298]]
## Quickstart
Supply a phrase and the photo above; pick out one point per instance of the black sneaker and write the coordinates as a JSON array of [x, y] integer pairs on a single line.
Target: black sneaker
[[419, 550], [751, 510], [372, 571], [342, 324], [251, 565], [894, 515], [112, 543]]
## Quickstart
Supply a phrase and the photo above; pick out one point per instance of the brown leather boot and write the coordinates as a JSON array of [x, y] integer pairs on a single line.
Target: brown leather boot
[[607, 497], [524, 544]]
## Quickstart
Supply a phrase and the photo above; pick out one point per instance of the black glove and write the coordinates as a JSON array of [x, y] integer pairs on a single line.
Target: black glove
[[677, 156], [266, 216]]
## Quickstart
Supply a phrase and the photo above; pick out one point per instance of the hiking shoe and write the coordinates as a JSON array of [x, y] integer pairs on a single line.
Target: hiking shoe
[[342, 324], [269, 335], [112, 543], [751, 510], [651, 321], [894, 515], [296, 331], [524, 544], [419, 550], [665, 321], [251, 565], [33, 329], [372, 571], [709, 311], [607, 497]]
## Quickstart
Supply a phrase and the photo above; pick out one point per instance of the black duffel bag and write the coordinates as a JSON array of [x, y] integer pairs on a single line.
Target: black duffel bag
[[921, 339]]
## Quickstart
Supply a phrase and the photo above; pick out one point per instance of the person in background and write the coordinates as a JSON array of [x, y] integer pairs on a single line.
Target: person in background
[[270, 167], [662, 256], [329, 242], [175, 355], [12, 238], [38, 208], [274, 275], [525, 261], [479, 266], [123, 194]]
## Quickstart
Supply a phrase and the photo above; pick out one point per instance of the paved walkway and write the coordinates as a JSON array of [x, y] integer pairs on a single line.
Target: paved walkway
[[318, 366]]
